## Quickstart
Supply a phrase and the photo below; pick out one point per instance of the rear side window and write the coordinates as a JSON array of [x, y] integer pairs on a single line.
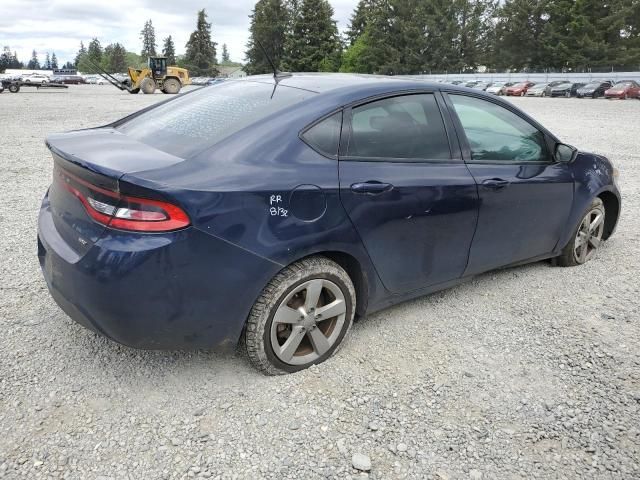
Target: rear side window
[[408, 127], [324, 136], [198, 120]]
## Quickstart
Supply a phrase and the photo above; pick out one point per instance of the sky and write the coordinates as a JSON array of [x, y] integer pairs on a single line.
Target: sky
[[59, 25]]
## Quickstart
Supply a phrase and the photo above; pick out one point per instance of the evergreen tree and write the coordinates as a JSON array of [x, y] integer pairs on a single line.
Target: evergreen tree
[[34, 64], [200, 57], [88, 61], [225, 54], [269, 23], [359, 20], [54, 61], [520, 35], [169, 50], [313, 43], [15, 63], [81, 52], [148, 37], [69, 66], [47, 62], [6, 59], [114, 58]]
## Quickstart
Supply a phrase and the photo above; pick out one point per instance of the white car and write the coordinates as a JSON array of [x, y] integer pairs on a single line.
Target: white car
[[35, 78]]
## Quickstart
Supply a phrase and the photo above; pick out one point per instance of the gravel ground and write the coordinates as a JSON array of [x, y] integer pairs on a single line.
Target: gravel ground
[[530, 372]]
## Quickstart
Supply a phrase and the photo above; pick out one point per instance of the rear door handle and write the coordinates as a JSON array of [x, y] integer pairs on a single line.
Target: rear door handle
[[495, 183], [371, 187]]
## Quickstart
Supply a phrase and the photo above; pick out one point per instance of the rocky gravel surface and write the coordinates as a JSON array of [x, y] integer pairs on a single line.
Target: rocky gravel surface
[[530, 372]]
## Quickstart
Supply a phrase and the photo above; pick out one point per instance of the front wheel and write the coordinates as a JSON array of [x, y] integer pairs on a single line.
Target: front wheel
[[301, 317], [587, 237], [148, 85]]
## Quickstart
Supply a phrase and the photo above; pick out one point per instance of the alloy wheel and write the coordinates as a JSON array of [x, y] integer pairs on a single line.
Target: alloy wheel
[[589, 235], [308, 321]]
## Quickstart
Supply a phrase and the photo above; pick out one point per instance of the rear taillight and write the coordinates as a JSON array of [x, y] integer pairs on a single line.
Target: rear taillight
[[121, 211]]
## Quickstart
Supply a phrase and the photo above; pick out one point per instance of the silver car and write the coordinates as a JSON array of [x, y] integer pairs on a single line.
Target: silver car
[[498, 88], [538, 90]]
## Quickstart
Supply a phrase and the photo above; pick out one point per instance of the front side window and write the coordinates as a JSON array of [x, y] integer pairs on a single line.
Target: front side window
[[496, 134], [407, 127]]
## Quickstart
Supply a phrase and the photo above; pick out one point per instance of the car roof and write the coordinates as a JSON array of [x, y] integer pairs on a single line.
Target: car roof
[[325, 82]]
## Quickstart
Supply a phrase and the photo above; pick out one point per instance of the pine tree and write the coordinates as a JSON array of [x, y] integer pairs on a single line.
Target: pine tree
[[81, 52], [114, 58], [5, 59], [225, 54], [68, 66], [169, 50], [88, 61], [200, 57], [54, 61], [15, 63], [47, 62], [148, 37], [34, 64], [359, 20], [313, 44], [269, 23], [520, 35]]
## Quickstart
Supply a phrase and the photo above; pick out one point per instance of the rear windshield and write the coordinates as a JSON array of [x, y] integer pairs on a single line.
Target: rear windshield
[[192, 122]]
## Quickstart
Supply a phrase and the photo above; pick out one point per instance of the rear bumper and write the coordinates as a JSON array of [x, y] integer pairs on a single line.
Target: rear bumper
[[178, 290]]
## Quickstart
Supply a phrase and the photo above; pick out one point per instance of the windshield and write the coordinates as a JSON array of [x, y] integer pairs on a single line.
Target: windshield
[[621, 85], [519, 85], [498, 84], [564, 85], [539, 86], [200, 119], [592, 85]]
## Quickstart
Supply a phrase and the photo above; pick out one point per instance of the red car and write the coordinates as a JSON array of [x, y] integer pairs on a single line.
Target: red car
[[624, 89], [519, 89]]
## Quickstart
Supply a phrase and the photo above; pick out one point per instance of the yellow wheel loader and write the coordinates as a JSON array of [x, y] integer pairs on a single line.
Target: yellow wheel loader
[[157, 75]]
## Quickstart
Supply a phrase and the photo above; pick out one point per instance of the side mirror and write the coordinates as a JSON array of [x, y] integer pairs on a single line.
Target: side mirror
[[564, 153]]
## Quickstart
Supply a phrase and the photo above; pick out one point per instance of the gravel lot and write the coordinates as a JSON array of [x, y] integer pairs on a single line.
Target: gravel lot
[[531, 372]]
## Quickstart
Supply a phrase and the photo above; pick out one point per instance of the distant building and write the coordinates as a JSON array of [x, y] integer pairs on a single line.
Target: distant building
[[231, 71]]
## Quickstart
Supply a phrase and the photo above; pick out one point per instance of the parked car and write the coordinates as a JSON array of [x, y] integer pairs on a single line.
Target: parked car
[[565, 90], [519, 89], [34, 78], [471, 83], [594, 89], [537, 90], [623, 90], [321, 197], [456, 82], [481, 86], [499, 88], [68, 79]]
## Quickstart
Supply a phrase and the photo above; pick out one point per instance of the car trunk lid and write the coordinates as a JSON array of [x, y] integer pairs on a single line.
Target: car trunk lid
[[88, 165]]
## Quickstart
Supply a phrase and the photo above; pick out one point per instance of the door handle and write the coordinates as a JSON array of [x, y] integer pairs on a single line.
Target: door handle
[[495, 183], [371, 187]]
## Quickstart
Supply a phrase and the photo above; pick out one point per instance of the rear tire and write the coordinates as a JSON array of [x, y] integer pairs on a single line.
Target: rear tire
[[286, 330], [171, 86], [148, 85], [586, 238], [14, 88]]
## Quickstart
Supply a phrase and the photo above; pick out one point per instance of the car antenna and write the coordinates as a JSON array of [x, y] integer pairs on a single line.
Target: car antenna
[[277, 74]]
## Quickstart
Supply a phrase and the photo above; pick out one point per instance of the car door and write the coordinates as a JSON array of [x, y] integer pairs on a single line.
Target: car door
[[525, 196], [412, 202]]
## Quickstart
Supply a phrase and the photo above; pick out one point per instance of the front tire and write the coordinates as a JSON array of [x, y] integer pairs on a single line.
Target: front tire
[[587, 237], [171, 86], [148, 85], [301, 317]]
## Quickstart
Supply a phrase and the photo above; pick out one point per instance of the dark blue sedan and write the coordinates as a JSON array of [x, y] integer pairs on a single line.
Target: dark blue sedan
[[279, 210]]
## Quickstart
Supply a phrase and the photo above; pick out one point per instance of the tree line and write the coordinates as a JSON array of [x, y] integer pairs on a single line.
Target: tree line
[[9, 59], [200, 56], [410, 36]]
